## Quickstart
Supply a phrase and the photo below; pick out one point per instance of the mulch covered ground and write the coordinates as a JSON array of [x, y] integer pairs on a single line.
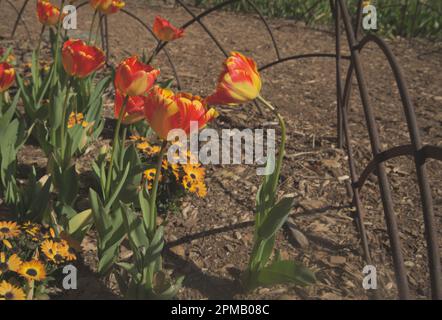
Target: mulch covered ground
[[209, 239]]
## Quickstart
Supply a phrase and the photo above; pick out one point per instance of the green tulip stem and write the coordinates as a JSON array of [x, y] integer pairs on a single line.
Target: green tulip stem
[[57, 46], [40, 39], [283, 139], [153, 196], [256, 260], [63, 120], [116, 136]]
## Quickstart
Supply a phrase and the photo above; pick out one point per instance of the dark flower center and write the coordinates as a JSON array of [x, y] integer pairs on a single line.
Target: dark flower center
[[31, 272], [4, 230], [58, 258], [9, 296]]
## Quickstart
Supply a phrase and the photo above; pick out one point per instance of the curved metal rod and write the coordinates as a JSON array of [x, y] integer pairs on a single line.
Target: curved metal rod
[[383, 182], [198, 17], [275, 45], [301, 56], [343, 132], [431, 152], [19, 17], [165, 51], [405, 150], [424, 187], [82, 4], [205, 29], [427, 152]]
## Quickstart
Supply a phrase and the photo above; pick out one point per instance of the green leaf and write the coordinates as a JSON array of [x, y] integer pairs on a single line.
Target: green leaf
[[80, 224], [275, 218], [117, 190], [143, 198], [286, 272]]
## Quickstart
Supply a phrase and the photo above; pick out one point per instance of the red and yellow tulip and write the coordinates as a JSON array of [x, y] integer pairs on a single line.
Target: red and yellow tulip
[[166, 111], [134, 110], [80, 60], [134, 78], [107, 6], [47, 13], [165, 31], [7, 76], [238, 83]]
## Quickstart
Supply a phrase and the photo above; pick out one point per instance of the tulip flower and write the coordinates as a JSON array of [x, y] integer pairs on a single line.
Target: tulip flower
[[107, 6], [7, 76], [166, 111], [134, 78], [165, 31], [80, 60], [47, 13], [238, 83], [134, 109]]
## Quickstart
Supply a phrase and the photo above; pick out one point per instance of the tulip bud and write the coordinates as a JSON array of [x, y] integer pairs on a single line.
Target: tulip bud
[[239, 82], [7, 76], [165, 31], [166, 111], [80, 60], [47, 13], [134, 78], [134, 108], [107, 6]]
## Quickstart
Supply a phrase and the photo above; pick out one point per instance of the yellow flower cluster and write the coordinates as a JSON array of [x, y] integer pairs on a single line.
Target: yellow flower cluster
[[28, 253], [77, 118], [190, 175]]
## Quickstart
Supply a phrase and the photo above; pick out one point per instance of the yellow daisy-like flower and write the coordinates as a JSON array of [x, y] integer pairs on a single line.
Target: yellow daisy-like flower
[[76, 118], [3, 265], [149, 174], [195, 186], [66, 251], [176, 170], [135, 138], [52, 251], [194, 172], [143, 145], [33, 270], [152, 150], [11, 292], [52, 232], [31, 228], [8, 230], [12, 263]]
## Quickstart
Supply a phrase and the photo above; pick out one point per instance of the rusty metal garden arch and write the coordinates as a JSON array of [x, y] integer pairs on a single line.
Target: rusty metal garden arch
[[420, 153]]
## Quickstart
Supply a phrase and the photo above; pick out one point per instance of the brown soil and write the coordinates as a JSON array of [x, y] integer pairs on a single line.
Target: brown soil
[[209, 240]]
